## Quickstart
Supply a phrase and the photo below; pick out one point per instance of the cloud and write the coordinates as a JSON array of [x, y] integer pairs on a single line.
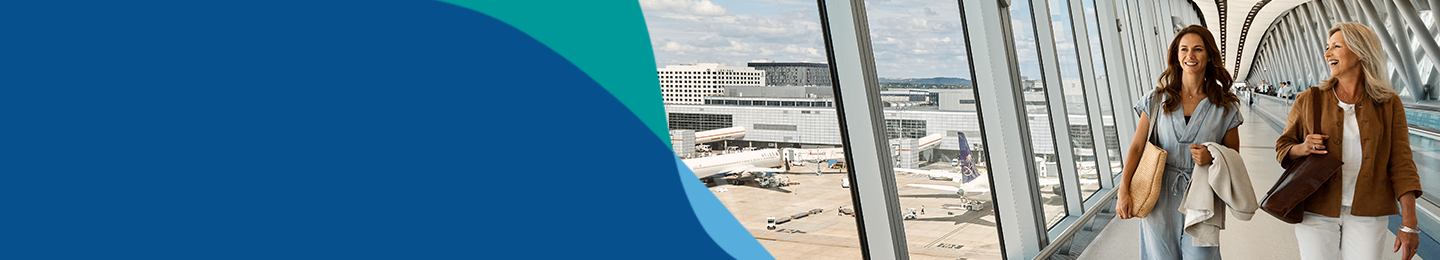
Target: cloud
[[675, 47], [908, 38], [709, 32], [698, 8]]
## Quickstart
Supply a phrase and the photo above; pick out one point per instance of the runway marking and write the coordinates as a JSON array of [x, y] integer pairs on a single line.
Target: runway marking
[[952, 232]]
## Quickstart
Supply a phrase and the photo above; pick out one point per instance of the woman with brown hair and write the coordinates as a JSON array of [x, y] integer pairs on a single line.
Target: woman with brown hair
[[1363, 123], [1196, 107]]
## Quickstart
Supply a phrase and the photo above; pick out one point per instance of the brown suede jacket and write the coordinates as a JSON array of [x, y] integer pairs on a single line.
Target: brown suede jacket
[[1387, 170]]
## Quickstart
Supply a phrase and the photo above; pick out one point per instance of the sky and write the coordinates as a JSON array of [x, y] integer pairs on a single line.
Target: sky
[[910, 38]]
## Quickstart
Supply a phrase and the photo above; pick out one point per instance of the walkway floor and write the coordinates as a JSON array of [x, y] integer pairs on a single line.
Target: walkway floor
[[1263, 237]]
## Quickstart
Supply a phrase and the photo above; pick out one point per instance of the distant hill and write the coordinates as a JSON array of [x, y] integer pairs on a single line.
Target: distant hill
[[936, 81]]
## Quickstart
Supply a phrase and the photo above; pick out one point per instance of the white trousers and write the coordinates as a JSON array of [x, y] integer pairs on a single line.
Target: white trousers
[[1354, 237]]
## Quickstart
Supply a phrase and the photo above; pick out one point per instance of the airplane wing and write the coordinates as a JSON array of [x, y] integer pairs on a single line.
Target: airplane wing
[[751, 169], [936, 187], [910, 171], [932, 173]]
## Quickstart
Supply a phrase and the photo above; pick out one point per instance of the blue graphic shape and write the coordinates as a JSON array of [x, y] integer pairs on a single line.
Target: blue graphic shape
[[318, 130], [717, 220]]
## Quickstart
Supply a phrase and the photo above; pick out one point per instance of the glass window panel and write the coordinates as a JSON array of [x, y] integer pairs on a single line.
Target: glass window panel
[[1082, 140], [1107, 113], [936, 139], [1426, 152], [1033, 83], [729, 44]]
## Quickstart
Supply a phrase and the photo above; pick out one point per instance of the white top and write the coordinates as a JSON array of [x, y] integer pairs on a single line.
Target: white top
[[1352, 153]]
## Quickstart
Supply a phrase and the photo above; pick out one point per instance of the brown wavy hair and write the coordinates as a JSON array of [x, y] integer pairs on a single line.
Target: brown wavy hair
[[1216, 78]]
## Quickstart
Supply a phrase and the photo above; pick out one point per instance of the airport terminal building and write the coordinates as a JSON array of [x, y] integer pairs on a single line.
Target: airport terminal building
[[813, 122]]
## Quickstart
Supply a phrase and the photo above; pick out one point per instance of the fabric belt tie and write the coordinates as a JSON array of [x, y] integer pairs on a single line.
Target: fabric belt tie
[[1182, 183]]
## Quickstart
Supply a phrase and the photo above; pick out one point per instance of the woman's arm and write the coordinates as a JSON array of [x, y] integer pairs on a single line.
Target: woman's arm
[[1285, 146], [1132, 158], [1404, 176], [1232, 139], [1201, 154]]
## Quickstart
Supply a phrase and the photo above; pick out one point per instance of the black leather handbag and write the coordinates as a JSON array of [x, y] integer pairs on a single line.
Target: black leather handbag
[[1301, 179]]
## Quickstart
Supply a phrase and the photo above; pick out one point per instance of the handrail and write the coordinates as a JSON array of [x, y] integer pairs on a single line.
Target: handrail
[[1080, 224], [1426, 107]]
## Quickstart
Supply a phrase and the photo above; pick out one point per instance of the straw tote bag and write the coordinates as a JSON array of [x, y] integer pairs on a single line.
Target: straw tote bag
[[1145, 182]]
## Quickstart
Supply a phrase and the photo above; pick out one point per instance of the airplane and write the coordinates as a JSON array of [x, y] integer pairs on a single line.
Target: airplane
[[971, 191], [760, 164]]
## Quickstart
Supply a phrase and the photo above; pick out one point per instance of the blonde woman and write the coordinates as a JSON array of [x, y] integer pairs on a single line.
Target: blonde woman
[[1363, 123]]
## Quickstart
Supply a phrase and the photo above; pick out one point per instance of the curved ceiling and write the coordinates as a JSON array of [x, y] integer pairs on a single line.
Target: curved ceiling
[[1240, 42]]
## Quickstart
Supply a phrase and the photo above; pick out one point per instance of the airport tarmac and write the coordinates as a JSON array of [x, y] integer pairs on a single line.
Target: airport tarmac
[[936, 234]]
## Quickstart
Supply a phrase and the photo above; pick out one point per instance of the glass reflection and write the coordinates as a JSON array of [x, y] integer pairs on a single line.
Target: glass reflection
[[1033, 84], [1426, 152], [933, 124]]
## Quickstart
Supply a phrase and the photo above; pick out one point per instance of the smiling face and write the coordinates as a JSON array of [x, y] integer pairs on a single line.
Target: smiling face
[[1192, 55], [1338, 56]]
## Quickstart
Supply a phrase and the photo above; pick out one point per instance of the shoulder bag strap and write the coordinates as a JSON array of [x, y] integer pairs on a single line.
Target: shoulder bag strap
[[1154, 111], [1315, 111]]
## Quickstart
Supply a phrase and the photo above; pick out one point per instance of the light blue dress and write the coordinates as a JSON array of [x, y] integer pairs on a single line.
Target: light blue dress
[[1162, 233]]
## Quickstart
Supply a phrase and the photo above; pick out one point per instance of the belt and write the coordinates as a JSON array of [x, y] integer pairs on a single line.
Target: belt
[[1181, 184]]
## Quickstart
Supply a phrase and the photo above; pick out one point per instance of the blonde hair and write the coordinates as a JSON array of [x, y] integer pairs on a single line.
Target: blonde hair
[[1374, 71]]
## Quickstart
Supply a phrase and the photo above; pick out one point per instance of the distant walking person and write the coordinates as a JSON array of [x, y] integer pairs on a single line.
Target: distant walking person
[[1197, 108], [1363, 123]]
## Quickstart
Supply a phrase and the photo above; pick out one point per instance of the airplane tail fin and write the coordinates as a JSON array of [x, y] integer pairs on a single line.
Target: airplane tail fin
[[967, 168]]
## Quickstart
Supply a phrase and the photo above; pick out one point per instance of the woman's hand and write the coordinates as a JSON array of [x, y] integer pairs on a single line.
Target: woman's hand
[[1313, 144], [1201, 154], [1122, 204], [1407, 241]]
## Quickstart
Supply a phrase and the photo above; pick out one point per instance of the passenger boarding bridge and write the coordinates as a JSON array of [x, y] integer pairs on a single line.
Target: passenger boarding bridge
[[1090, 59]]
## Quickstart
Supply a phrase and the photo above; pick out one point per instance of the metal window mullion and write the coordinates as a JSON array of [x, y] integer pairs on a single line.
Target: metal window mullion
[[1325, 22], [997, 76], [1308, 35], [1376, 22], [1317, 21], [1279, 48], [1333, 8], [1402, 45], [1093, 103], [1427, 39], [1117, 73], [1321, 21], [1147, 32], [1138, 42], [1281, 56], [862, 128], [1292, 50], [1302, 50], [1058, 107], [1312, 54], [1435, 13]]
